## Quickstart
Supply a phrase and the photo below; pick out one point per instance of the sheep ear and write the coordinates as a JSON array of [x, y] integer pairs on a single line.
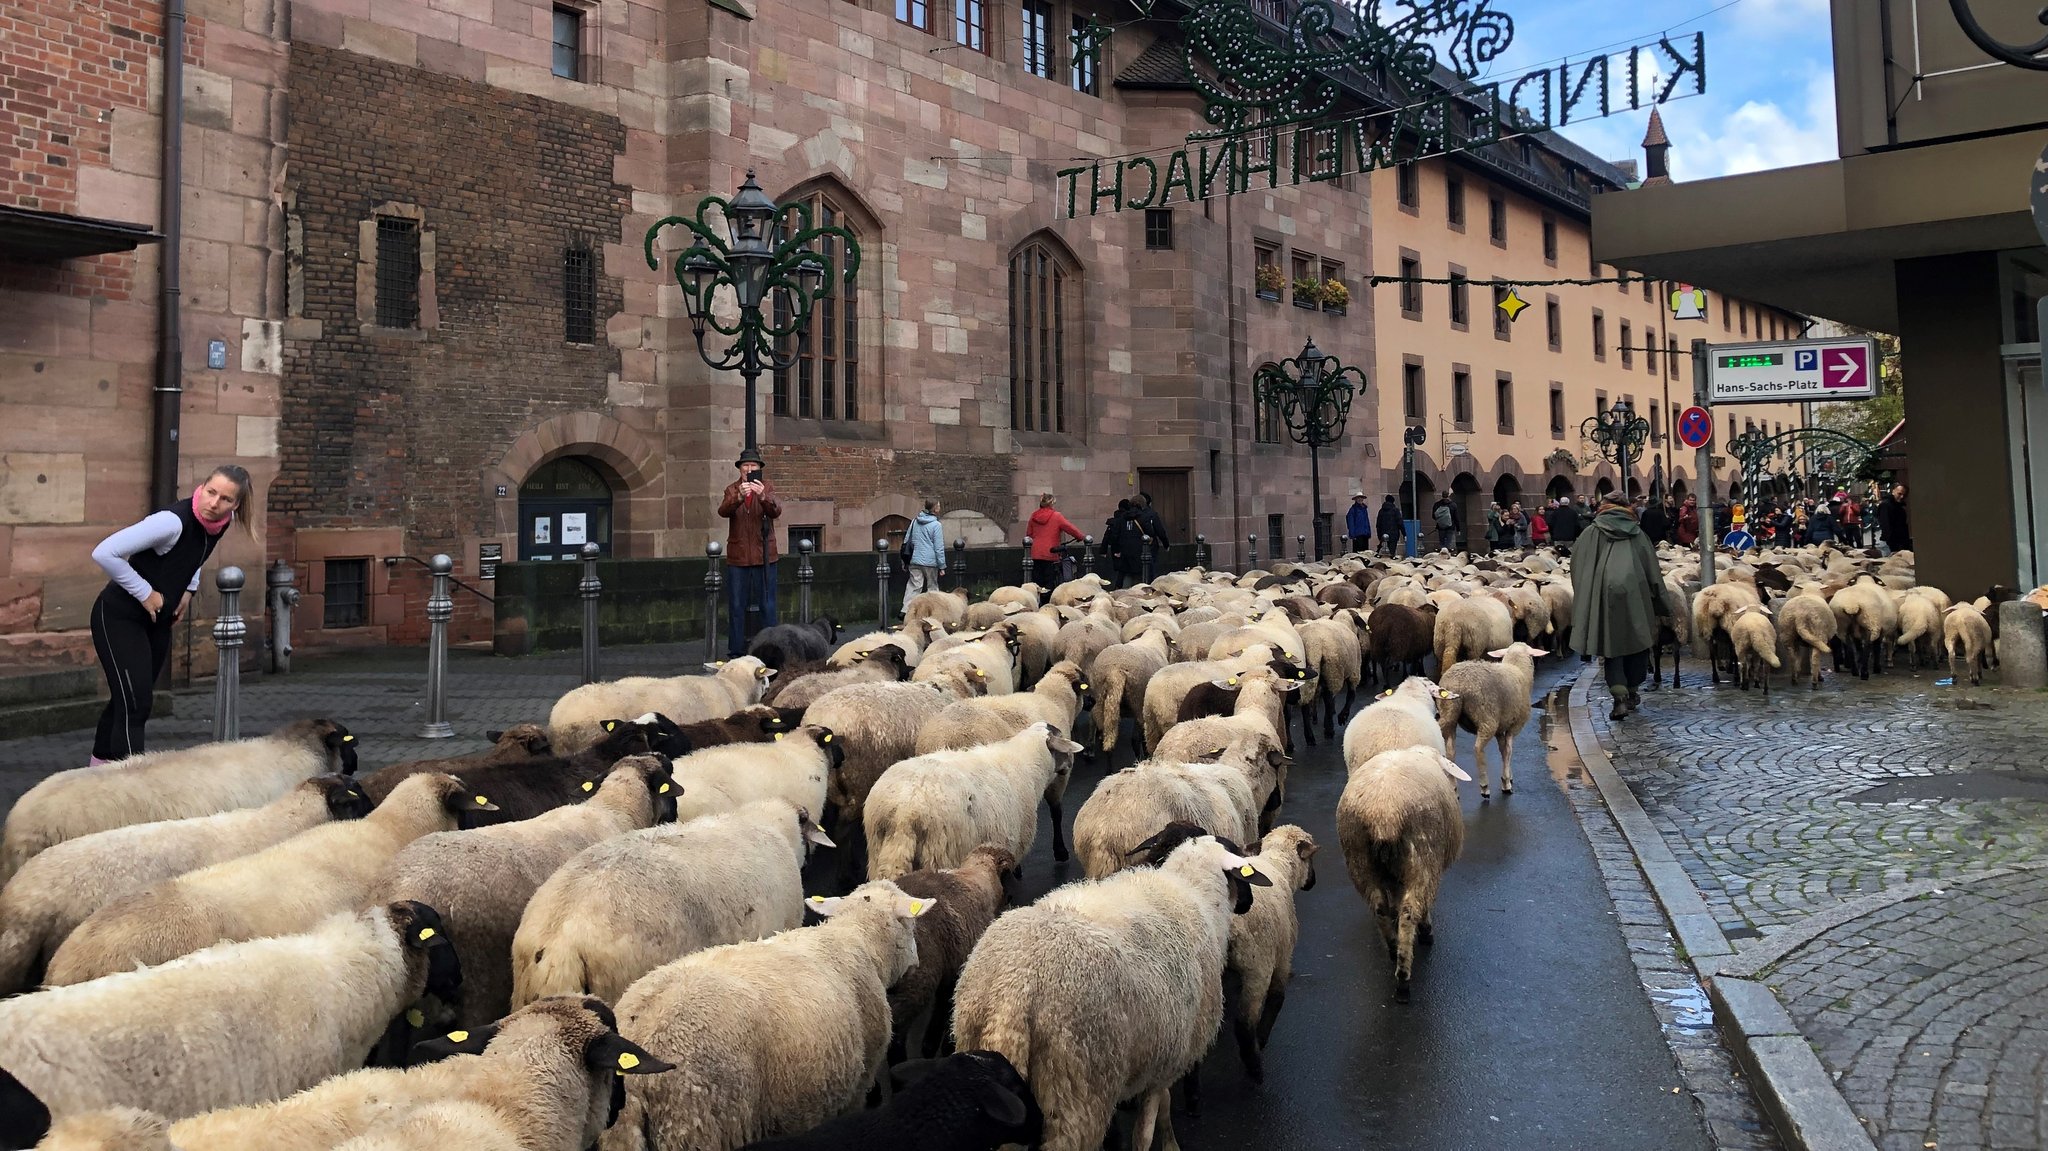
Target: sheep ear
[[1387, 694], [1244, 872], [1226, 684], [471, 1042], [1453, 770], [614, 1052], [1497, 653], [714, 665], [816, 834], [910, 907], [1002, 1105], [611, 725], [494, 736], [826, 905], [1538, 652]]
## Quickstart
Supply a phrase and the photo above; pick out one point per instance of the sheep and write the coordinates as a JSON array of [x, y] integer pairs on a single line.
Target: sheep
[[1037, 632], [1711, 607], [918, 815], [1965, 630], [516, 744], [770, 1037], [990, 657], [245, 1024], [548, 1070], [1920, 625], [1865, 620], [1397, 638], [1756, 645], [626, 905], [1248, 741], [875, 725], [968, 898], [1262, 940], [1490, 700], [948, 609], [1404, 716], [1121, 674], [1261, 692], [969, 1101], [756, 724], [161, 785], [1558, 597], [280, 890], [1079, 590], [796, 767], [1674, 630], [1081, 640], [55, 891], [911, 639], [1108, 989], [576, 722], [1274, 629], [1170, 685], [1336, 653], [885, 663], [1806, 628], [485, 877], [1470, 628], [523, 788], [1113, 824], [1400, 828], [788, 643], [1058, 699], [1195, 639], [1028, 596]]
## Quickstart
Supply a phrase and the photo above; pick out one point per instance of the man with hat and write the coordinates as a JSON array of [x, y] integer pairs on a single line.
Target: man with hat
[[1618, 599], [751, 505], [1358, 523]]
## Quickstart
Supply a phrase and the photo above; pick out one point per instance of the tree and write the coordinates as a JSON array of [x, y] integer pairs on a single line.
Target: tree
[[1869, 420]]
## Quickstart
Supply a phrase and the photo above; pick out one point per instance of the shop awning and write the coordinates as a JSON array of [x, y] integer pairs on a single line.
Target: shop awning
[[30, 235]]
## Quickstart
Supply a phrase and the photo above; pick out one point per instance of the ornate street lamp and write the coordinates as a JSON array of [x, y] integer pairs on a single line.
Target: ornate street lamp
[[1619, 435], [2018, 55], [1411, 439], [775, 276], [1313, 392]]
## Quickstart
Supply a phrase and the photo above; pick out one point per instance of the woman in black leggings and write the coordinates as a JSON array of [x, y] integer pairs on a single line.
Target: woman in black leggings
[[154, 565]]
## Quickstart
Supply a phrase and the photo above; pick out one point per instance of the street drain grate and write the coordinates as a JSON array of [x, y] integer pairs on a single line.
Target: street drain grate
[[1960, 785]]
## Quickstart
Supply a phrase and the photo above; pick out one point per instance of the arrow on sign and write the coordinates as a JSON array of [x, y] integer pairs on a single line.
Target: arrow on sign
[[1844, 367]]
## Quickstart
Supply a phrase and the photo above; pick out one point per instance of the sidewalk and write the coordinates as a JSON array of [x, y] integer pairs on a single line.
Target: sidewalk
[[1871, 853]]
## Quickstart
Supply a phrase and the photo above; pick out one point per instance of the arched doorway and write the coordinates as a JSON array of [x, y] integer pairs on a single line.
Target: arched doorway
[[1465, 497], [1560, 488], [1679, 490], [1603, 487], [563, 505], [1635, 488]]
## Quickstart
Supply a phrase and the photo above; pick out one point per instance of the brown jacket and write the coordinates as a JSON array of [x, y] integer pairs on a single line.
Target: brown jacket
[[744, 543]]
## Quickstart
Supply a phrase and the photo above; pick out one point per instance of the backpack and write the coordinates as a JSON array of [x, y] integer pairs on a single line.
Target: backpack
[[906, 551], [1443, 515]]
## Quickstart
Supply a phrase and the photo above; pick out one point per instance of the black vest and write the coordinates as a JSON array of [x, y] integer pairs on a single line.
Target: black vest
[[171, 573]]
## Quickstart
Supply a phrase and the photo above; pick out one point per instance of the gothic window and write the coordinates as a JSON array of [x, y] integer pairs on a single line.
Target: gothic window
[[1044, 317], [824, 381]]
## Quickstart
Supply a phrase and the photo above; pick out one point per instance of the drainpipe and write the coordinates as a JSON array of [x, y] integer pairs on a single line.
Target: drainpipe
[[170, 387]]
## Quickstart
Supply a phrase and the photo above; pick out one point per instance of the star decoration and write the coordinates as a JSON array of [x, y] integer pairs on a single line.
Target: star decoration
[[1087, 40], [1512, 304]]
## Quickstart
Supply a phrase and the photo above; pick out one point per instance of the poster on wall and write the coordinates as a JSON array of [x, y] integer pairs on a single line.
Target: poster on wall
[[544, 531], [574, 529], [488, 557]]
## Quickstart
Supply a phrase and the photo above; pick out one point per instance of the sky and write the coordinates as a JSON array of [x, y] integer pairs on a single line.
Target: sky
[[1770, 99]]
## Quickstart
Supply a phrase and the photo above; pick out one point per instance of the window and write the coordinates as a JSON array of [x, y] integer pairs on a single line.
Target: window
[[1557, 409], [1497, 220], [1599, 403], [916, 13], [1041, 310], [1650, 348], [1553, 319], [1333, 273], [1304, 272], [1504, 400], [1276, 535], [1647, 296], [579, 295], [1503, 328], [1454, 201], [1656, 424], [1628, 352], [970, 24], [812, 532], [1599, 336], [1408, 186], [348, 585], [1264, 256], [1671, 357], [823, 382], [1411, 292], [398, 272], [1215, 471], [1159, 229], [1267, 421], [1745, 319], [1550, 242], [1412, 405], [1038, 37], [1461, 299], [568, 44], [1461, 398], [1724, 313], [1084, 63]]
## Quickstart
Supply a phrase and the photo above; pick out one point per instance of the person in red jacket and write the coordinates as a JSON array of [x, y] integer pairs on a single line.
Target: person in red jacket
[[750, 503], [1046, 527], [1689, 522]]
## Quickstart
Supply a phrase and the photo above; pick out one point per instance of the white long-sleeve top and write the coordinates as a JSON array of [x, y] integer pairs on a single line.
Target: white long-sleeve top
[[158, 533]]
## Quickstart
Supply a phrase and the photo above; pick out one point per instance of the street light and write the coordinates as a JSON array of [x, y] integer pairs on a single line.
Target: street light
[[767, 260], [1313, 392], [1619, 435], [1411, 439]]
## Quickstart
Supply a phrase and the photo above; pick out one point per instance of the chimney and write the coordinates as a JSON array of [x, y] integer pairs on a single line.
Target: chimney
[[1656, 152]]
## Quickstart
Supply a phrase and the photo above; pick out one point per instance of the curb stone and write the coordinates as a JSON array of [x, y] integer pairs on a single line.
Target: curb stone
[[1790, 1083]]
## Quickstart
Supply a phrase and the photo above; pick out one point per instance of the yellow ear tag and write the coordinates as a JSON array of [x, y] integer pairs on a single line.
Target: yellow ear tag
[[589, 786], [664, 789], [352, 795], [481, 801], [628, 1061], [426, 933], [416, 1017], [458, 1037], [1232, 681], [1084, 687], [611, 725], [916, 906], [817, 901], [348, 739], [827, 738], [1245, 871], [778, 737]]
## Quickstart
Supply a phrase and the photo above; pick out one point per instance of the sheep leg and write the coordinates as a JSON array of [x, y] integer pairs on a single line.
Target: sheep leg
[[1506, 741], [1308, 723], [1191, 1092], [1350, 701], [1059, 834], [1404, 949], [1247, 1034], [1276, 996], [936, 1033], [1674, 663]]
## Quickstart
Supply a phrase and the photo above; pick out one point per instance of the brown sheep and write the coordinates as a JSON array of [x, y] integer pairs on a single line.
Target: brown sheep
[[969, 898]]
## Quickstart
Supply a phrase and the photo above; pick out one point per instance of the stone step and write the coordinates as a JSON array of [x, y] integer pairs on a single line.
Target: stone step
[[41, 701]]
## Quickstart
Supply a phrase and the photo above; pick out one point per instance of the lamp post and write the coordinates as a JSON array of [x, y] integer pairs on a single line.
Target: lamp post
[[775, 274], [1313, 392], [1619, 434], [1412, 438]]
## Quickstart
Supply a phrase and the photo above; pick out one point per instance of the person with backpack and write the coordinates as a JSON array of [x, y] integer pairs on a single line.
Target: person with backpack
[[1125, 539], [1149, 522], [924, 550], [1392, 526], [1445, 515]]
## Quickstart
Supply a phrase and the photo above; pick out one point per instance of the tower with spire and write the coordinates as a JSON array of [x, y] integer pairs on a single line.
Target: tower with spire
[[1656, 152]]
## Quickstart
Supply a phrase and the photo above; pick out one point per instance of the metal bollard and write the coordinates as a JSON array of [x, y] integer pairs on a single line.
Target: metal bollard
[[1145, 559], [283, 598], [440, 609], [1087, 554], [804, 576], [712, 582], [959, 572], [882, 584], [589, 588], [1027, 560], [1202, 552], [228, 633], [1300, 549], [1251, 555]]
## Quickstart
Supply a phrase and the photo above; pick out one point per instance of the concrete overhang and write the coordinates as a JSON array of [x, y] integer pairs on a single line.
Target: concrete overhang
[[1821, 239]]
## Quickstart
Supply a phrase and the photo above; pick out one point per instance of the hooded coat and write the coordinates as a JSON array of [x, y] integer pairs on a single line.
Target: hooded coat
[[1616, 587]]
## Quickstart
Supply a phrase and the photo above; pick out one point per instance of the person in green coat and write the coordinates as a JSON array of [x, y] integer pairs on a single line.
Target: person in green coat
[[1618, 600]]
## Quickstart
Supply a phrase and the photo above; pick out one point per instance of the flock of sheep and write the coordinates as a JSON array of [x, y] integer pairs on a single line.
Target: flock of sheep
[[593, 934]]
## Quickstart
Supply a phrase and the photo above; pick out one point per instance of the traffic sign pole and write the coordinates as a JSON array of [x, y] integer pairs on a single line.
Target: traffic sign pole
[[1701, 388]]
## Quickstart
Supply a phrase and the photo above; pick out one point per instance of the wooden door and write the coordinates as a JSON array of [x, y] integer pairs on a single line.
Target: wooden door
[[1169, 491]]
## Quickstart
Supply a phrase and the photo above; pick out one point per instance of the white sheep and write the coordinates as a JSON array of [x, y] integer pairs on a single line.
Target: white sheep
[[1866, 619], [1490, 700], [231, 1025], [1057, 699], [1756, 645], [280, 890], [990, 657], [1262, 940], [1170, 685], [56, 890], [627, 905], [1336, 653], [1130, 806], [1806, 628], [946, 608], [1209, 738], [929, 812], [1920, 624], [161, 785], [577, 720], [911, 638], [1469, 628], [1399, 825], [484, 877], [875, 725], [796, 767], [1121, 674], [1403, 716], [770, 1037], [1966, 632], [1108, 989], [1711, 607]]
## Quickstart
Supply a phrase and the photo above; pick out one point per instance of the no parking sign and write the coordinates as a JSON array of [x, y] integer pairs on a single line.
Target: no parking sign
[[1695, 427]]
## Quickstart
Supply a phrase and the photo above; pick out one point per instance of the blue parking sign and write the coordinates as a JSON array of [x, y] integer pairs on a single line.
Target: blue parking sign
[[1806, 360]]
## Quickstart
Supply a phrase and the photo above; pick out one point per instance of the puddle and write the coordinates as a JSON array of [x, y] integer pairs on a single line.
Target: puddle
[[1552, 727], [1688, 1005], [1959, 785]]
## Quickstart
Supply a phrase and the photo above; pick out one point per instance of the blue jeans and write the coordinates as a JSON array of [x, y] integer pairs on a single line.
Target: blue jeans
[[744, 585]]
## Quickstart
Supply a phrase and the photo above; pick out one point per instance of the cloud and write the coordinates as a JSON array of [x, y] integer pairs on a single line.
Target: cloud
[[1759, 134]]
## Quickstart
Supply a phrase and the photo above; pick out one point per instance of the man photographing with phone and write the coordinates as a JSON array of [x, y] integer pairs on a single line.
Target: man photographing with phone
[[751, 505]]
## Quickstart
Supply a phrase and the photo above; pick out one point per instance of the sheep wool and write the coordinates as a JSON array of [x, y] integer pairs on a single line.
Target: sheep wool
[[1122, 672], [1262, 940], [1490, 700], [1470, 628], [1058, 699], [770, 1037], [1136, 802], [280, 890], [1400, 828], [55, 891], [1405, 716], [966, 900], [161, 785], [625, 906], [578, 717], [1967, 633], [919, 814], [1756, 645], [1806, 628], [794, 768]]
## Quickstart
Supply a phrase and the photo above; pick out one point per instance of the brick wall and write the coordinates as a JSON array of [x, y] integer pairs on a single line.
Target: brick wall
[[851, 477]]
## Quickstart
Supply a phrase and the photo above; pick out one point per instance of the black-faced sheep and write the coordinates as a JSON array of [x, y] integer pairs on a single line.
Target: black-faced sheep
[[1262, 940], [791, 643], [523, 787], [577, 720], [969, 1101]]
